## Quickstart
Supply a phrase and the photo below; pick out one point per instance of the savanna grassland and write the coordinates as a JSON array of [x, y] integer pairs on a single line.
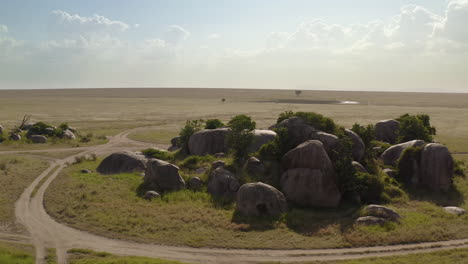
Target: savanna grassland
[[16, 253]]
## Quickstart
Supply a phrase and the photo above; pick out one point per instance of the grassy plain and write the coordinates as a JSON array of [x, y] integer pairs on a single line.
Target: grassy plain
[[16, 253], [110, 206], [16, 173], [109, 111], [83, 256]]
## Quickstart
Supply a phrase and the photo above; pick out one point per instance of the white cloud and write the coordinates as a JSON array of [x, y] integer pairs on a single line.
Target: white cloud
[[3, 29], [213, 36], [454, 25], [67, 23], [176, 34]]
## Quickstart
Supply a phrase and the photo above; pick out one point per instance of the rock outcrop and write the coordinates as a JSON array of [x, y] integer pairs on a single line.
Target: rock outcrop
[[392, 154], [387, 131], [208, 141], [223, 184], [122, 162], [67, 134], [359, 149], [38, 139], [330, 142], [436, 169], [299, 130], [382, 212], [260, 199], [163, 176], [261, 137]]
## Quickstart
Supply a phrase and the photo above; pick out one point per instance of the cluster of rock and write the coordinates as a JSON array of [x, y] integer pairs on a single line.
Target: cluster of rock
[[39, 139], [377, 215]]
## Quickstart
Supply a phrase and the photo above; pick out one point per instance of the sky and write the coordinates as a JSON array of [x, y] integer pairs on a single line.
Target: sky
[[376, 45]]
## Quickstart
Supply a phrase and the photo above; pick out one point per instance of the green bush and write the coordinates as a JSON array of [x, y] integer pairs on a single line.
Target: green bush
[[318, 121], [415, 127], [213, 124], [459, 168], [405, 164], [276, 149], [158, 154], [190, 128], [194, 162], [342, 159], [369, 187], [366, 133], [240, 136], [41, 128]]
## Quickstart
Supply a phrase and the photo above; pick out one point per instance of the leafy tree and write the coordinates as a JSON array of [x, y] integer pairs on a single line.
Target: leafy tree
[[213, 124], [190, 128], [240, 136], [415, 127], [298, 92], [366, 133]]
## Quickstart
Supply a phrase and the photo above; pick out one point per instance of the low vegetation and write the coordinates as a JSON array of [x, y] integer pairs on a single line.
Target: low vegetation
[[84, 256], [16, 253]]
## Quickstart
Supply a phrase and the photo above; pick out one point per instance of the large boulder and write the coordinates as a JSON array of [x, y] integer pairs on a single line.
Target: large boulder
[[387, 131], [163, 176], [254, 166], [260, 199], [310, 154], [223, 184], [261, 137], [382, 212], [359, 167], [359, 148], [455, 210], [122, 162], [330, 142], [208, 141], [299, 130], [310, 187], [67, 134], [195, 183], [38, 139], [436, 170], [370, 220], [392, 154]]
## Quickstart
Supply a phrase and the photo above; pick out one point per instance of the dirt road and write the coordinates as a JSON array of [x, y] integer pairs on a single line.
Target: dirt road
[[45, 232]]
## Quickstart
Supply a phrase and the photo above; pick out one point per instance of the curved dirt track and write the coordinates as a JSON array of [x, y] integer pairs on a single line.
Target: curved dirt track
[[45, 232]]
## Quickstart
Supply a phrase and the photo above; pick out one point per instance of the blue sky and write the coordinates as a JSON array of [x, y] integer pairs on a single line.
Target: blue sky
[[335, 44]]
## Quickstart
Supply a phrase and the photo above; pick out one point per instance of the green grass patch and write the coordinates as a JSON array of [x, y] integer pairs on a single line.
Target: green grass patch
[[109, 205], [16, 253], [84, 256]]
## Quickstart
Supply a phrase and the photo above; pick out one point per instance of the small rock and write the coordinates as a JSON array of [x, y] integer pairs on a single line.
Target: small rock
[[455, 210], [255, 166], [217, 164], [38, 139], [370, 220], [67, 134], [382, 212], [195, 183], [85, 171], [15, 137], [201, 170], [150, 195]]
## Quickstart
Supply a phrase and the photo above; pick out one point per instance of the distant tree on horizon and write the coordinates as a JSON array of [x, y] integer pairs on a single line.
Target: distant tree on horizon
[[298, 92], [223, 100]]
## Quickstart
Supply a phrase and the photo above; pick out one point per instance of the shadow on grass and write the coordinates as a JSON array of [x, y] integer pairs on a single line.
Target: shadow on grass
[[452, 197]]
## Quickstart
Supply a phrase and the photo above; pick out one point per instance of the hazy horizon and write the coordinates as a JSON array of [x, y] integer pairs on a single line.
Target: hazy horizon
[[370, 45]]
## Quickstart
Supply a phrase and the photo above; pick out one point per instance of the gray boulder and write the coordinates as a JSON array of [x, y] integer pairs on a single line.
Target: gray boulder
[[163, 176], [122, 162], [382, 212], [38, 139], [391, 173], [310, 187], [67, 134], [15, 136], [387, 131], [455, 210], [392, 154], [254, 166], [359, 167], [150, 195], [260, 199], [208, 141], [261, 137], [299, 130], [310, 154], [217, 164], [223, 184], [436, 170], [195, 183], [370, 220], [175, 142], [330, 142], [85, 171], [49, 130], [359, 148]]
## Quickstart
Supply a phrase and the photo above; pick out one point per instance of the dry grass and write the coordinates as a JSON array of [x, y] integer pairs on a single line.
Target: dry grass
[[83, 256], [109, 205], [12, 253], [16, 173]]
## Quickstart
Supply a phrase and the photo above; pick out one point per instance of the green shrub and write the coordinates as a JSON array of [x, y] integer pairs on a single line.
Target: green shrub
[[318, 121], [87, 138], [342, 159], [213, 124], [194, 162], [190, 128], [41, 128], [2, 137], [369, 187], [415, 127], [405, 164], [366, 133], [240, 136], [158, 154], [459, 168], [276, 149]]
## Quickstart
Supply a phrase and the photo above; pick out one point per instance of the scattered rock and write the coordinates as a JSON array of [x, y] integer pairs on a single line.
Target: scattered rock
[[370, 220], [163, 176], [15, 137], [217, 164], [201, 170], [223, 184], [254, 166], [208, 141], [359, 167], [436, 167], [392, 154], [150, 195], [122, 162], [67, 134], [310, 187], [455, 210], [261, 137], [38, 139], [330, 142], [359, 148], [85, 171], [387, 131], [382, 212], [391, 173], [28, 125], [299, 130], [195, 183], [260, 199]]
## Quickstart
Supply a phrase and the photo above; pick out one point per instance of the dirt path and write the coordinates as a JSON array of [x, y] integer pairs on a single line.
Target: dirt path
[[47, 233]]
